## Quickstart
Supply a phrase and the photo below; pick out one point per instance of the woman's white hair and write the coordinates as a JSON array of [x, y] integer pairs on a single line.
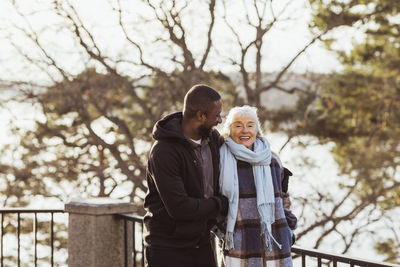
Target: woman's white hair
[[243, 110]]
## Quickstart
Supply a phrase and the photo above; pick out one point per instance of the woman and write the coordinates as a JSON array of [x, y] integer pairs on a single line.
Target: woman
[[257, 228]]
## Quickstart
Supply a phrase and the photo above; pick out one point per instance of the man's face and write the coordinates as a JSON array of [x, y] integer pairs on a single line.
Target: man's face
[[212, 118]]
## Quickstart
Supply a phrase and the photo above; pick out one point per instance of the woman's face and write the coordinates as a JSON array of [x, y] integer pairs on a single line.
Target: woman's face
[[244, 130]]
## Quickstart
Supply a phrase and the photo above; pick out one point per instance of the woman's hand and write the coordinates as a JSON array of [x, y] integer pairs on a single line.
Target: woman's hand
[[286, 202]]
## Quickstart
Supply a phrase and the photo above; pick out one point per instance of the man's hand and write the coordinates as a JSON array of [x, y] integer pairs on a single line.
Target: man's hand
[[224, 204]]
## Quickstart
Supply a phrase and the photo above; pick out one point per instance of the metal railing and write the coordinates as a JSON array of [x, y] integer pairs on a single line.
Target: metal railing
[[319, 257], [327, 258], [19, 229], [137, 257], [133, 243]]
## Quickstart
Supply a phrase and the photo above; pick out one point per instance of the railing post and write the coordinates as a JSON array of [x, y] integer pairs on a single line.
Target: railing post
[[95, 235]]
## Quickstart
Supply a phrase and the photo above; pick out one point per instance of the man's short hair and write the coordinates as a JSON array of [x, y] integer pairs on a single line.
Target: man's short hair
[[199, 98]]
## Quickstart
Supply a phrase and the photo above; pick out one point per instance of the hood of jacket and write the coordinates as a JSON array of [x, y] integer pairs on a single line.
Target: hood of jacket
[[169, 127]]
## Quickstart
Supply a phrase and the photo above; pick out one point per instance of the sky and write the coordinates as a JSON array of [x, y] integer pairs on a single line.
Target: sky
[[281, 42]]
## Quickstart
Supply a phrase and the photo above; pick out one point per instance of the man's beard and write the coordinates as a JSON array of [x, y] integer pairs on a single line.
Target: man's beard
[[204, 131]]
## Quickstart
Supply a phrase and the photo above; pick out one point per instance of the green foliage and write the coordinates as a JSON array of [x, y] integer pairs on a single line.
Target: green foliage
[[329, 14], [354, 104], [359, 108], [386, 247]]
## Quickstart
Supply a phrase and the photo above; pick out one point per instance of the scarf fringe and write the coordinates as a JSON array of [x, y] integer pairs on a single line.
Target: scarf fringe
[[267, 234], [228, 241]]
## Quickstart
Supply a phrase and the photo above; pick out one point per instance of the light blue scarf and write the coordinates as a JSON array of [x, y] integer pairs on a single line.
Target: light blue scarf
[[260, 159]]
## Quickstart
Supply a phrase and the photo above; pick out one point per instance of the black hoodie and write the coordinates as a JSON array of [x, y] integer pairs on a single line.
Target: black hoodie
[[178, 215]]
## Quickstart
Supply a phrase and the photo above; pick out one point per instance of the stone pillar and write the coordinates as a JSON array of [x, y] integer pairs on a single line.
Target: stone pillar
[[95, 236]]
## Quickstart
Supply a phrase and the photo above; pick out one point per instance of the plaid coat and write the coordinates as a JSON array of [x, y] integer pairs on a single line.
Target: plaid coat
[[249, 250]]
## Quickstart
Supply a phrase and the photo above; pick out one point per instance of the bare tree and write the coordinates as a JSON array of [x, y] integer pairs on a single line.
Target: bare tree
[[99, 110]]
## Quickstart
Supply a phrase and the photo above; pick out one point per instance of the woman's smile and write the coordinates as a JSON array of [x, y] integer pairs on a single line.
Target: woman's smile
[[244, 130]]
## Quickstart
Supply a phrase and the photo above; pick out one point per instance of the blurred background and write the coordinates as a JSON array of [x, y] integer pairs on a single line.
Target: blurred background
[[83, 82]]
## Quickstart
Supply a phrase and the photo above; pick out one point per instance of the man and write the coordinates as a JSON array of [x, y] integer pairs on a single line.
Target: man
[[183, 197]]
